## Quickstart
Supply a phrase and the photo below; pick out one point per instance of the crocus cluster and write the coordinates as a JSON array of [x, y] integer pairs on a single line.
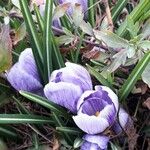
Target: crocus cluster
[[94, 110]]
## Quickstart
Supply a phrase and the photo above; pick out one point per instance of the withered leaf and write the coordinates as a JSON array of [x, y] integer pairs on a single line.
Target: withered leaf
[[5, 48]]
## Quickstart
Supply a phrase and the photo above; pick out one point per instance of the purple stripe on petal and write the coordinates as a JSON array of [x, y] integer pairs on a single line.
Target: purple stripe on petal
[[109, 113], [111, 95], [27, 63], [75, 74], [83, 97], [92, 105], [64, 94], [21, 80], [91, 124]]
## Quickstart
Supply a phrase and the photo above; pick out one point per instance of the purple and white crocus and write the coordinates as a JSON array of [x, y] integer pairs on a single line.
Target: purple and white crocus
[[123, 122], [95, 142], [97, 110], [24, 75], [66, 85]]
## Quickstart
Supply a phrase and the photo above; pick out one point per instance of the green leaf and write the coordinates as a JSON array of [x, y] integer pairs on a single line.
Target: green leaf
[[136, 14], [132, 28], [77, 15], [145, 45], [112, 40], [146, 75], [59, 122], [16, 3], [35, 41], [114, 147], [39, 18], [64, 39], [77, 143], [21, 118], [91, 12], [5, 49], [119, 6], [146, 29], [47, 40], [99, 77], [119, 59], [133, 77], [69, 130], [20, 33], [46, 103], [60, 10], [8, 132], [86, 28]]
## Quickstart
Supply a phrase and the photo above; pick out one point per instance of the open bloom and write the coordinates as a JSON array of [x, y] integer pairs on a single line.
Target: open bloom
[[67, 84], [97, 110], [95, 142], [123, 121], [24, 75]]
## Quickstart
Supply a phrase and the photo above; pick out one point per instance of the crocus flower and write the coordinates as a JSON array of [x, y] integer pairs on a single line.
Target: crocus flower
[[67, 84], [95, 142], [123, 121], [24, 75], [97, 110]]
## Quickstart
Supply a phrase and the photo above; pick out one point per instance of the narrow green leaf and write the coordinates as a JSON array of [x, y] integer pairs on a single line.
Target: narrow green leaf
[[47, 39], [21, 118], [69, 130], [78, 48], [44, 102], [119, 6], [77, 142], [133, 77], [136, 14], [7, 131], [35, 41], [99, 77], [59, 122], [91, 12], [39, 18], [57, 55]]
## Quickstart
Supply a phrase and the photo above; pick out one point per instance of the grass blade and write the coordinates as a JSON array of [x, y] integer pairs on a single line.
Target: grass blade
[[136, 14], [23, 118], [58, 121], [47, 39], [39, 18], [119, 6], [35, 42], [44, 102], [91, 13], [69, 130], [133, 77], [8, 132]]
